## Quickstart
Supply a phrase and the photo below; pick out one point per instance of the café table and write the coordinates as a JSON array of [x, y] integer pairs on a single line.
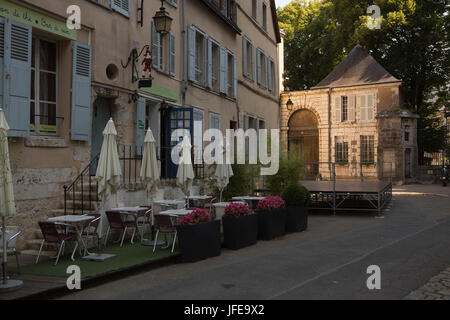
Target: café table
[[78, 222], [251, 200], [200, 198], [136, 212]]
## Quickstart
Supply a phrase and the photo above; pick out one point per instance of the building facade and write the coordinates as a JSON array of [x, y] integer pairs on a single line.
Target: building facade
[[217, 68], [354, 119]]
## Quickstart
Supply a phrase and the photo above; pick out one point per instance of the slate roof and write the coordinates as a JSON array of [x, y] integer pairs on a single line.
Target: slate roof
[[357, 68]]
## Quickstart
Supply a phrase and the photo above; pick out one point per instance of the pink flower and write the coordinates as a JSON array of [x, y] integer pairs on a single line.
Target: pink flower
[[236, 210], [270, 203], [195, 217]]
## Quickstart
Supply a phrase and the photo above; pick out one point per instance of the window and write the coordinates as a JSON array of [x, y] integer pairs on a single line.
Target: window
[[272, 75], [173, 2], [159, 45], [366, 107], [261, 65], [121, 6], [254, 8], [367, 149], [200, 58], [264, 15], [344, 108], [44, 79], [248, 61], [230, 77], [214, 123], [341, 152], [215, 66], [198, 136], [225, 7]]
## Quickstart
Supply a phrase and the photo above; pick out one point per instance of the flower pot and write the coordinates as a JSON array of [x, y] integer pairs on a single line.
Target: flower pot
[[296, 218], [240, 232], [200, 241], [271, 224]]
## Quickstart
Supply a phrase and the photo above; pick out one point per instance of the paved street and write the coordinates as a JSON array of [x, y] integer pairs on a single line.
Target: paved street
[[329, 261]]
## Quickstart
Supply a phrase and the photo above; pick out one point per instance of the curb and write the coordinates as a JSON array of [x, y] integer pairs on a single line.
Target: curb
[[400, 193], [98, 280]]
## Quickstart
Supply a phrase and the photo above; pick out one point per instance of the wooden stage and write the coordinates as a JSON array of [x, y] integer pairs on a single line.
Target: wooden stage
[[349, 195]]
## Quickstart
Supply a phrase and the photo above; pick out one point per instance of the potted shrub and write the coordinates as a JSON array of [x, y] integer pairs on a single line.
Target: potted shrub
[[198, 236], [240, 226], [271, 218], [297, 199]]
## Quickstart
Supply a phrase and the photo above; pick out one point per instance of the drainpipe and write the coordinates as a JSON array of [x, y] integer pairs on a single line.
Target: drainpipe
[[329, 128], [184, 53]]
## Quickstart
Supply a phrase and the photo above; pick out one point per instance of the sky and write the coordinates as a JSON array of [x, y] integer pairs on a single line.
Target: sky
[[281, 3]]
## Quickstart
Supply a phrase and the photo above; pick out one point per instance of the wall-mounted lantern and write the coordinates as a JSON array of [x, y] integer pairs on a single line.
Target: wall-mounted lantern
[[162, 20], [289, 104]]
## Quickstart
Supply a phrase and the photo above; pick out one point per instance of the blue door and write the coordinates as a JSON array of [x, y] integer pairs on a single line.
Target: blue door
[[179, 118]]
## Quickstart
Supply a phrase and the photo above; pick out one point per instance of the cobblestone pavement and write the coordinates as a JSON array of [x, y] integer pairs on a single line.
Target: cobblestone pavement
[[438, 288]]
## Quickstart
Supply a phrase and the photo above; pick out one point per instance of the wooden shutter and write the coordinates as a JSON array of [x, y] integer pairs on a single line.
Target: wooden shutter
[[81, 92], [235, 81], [252, 59], [274, 77], [209, 68], [172, 54], [351, 107], [362, 108], [17, 77], [370, 107], [258, 66], [269, 74], [266, 72], [121, 6], [223, 70], [337, 109], [140, 125], [191, 53], [244, 57]]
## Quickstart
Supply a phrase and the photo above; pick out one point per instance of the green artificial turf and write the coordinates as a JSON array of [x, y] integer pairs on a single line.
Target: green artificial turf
[[127, 256]]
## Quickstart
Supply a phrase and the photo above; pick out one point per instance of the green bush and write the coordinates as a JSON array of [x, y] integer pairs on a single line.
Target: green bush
[[296, 195]]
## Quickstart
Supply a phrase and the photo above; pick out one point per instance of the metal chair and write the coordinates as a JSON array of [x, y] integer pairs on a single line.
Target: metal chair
[[52, 235], [90, 229], [116, 221], [145, 218], [12, 233], [164, 224]]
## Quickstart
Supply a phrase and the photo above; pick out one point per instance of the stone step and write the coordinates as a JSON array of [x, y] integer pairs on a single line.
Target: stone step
[[85, 186], [78, 204], [31, 252], [77, 195]]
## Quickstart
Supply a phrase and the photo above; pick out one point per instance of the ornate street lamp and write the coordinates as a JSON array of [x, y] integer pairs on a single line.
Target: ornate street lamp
[[162, 20], [289, 104]]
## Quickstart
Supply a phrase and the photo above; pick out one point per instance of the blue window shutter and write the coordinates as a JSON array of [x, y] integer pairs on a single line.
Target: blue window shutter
[[258, 66], [155, 47], [244, 56], [191, 53], [121, 6], [171, 54], [81, 92], [17, 87], [269, 74], [266, 73], [235, 82], [252, 54], [223, 70], [209, 69], [140, 125], [275, 77]]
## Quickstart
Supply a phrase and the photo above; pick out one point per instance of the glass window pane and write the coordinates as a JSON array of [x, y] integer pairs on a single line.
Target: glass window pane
[[32, 84], [33, 53], [32, 116], [47, 56], [47, 117], [47, 87]]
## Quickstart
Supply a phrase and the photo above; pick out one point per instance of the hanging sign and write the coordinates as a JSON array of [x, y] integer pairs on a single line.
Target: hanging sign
[[36, 19]]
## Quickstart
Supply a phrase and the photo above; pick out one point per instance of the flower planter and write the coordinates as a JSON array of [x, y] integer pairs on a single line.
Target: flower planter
[[200, 241], [271, 224], [240, 232], [296, 218]]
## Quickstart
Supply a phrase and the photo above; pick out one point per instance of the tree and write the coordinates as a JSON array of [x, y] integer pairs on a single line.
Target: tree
[[412, 44]]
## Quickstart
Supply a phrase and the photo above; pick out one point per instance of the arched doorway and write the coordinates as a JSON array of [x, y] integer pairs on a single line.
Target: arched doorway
[[303, 137]]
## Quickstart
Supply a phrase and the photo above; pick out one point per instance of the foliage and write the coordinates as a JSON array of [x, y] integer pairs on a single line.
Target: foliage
[[270, 203], [412, 44], [235, 209], [195, 217], [296, 195], [290, 171]]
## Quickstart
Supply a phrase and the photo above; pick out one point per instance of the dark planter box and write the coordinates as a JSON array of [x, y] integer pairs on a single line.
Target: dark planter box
[[296, 219], [271, 224], [240, 232], [200, 241]]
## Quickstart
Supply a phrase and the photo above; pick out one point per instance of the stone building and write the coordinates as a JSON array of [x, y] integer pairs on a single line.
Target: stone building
[[353, 118], [218, 66]]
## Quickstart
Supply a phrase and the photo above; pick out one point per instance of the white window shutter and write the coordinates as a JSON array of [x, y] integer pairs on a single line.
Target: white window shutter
[[362, 108], [223, 70], [370, 107], [191, 53], [337, 109], [252, 54], [351, 108]]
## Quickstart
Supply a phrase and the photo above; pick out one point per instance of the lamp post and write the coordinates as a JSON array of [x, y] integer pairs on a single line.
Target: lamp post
[[162, 20]]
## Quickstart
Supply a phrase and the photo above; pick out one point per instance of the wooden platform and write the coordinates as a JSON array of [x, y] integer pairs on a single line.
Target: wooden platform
[[346, 186]]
